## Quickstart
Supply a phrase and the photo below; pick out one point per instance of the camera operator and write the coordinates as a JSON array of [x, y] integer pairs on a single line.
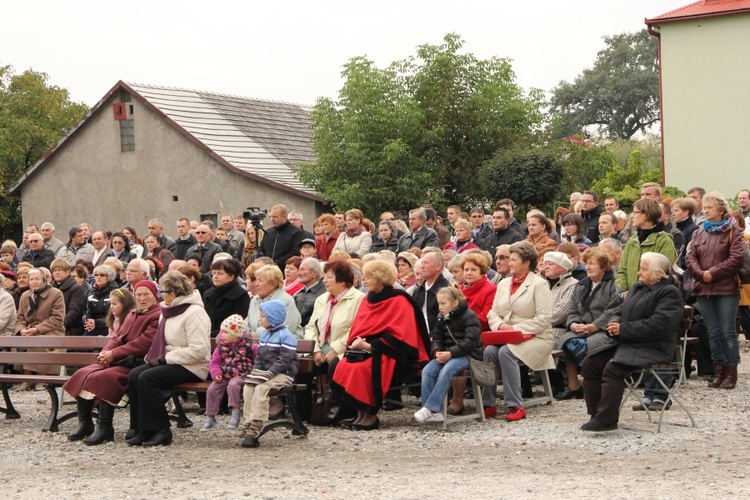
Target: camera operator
[[282, 240]]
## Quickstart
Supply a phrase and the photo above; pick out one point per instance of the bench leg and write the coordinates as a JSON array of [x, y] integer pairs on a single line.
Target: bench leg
[[9, 410], [298, 428], [52, 421], [183, 422]]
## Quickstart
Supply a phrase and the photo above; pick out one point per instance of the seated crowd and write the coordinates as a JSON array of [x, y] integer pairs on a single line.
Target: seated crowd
[[380, 302]]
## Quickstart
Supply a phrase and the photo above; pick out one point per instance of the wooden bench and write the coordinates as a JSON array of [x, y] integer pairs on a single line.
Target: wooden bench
[[304, 349], [13, 352]]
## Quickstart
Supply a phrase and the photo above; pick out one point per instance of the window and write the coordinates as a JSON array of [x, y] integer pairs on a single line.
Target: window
[[127, 136]]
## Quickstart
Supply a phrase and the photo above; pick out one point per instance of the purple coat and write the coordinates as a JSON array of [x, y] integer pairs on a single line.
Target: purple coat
[[233, 360], [133, 339]]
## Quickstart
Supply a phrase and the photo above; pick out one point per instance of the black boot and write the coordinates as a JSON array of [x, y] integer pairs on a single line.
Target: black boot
[[85, 424], [104, 431]]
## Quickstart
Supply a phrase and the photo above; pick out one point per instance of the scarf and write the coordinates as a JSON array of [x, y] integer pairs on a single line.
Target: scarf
[[351, 233], [324, 321], [516, 283], [250, 249], [159, 345], [645, 233], [34, 300], [460, 246], [718, 227]]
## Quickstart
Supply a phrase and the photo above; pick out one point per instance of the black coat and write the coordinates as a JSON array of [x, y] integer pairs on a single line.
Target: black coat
[[378, 245], [42, 258], [97, 305], [75, 304], [305, 300], [204, 255], [464, 325], [281, 242], [222, 302], [420, 295], [182, 246], [498, 237], [591, 223], [649, 323]]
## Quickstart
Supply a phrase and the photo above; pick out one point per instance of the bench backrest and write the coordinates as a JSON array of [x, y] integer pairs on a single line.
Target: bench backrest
[[53, 342]]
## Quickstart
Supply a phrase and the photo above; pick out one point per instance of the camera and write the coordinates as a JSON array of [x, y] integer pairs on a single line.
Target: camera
[[255, 215]]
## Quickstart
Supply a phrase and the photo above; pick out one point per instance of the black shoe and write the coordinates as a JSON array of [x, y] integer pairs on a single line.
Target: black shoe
[[373, 426], [102, 434], [250, 442], [85, 429], [162, 437], [388, 406], [568, 394], [596, 426], [131, 434], [347, 424], [139, 438]]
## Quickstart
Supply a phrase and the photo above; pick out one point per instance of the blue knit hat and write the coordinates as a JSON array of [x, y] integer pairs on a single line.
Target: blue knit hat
[[274, 311]]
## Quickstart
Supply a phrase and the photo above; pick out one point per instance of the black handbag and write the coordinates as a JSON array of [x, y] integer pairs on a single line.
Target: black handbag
[[325, 409], [355, 356], [129, 361]]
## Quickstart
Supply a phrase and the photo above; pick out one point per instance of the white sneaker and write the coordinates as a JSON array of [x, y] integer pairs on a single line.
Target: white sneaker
[[434, 417], [422, 415]]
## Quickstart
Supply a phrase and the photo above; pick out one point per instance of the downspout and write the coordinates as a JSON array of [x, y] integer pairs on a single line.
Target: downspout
[[651, 31]]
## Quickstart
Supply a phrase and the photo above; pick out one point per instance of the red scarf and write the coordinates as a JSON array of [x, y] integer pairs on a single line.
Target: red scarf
[[516, 283]]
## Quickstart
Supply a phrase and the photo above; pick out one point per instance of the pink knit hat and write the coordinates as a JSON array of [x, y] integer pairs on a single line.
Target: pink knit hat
[[148, 284]]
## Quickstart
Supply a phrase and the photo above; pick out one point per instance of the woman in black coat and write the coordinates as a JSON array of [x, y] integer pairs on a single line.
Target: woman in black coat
[[455, 339], [226, 296], [647, 333], [386, 238], [121, 248], [73, 293], [97, 302]]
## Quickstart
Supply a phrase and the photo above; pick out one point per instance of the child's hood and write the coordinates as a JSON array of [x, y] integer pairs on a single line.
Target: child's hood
[[274, 311]]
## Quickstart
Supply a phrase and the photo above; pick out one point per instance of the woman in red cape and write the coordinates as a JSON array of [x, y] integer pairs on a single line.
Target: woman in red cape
[[390, 326]]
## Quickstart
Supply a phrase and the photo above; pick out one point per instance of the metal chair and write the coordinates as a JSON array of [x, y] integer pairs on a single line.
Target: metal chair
[[675, 369]]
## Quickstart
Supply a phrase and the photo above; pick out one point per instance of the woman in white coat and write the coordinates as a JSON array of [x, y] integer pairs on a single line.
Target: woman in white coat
[[356, 240], [522, 302]]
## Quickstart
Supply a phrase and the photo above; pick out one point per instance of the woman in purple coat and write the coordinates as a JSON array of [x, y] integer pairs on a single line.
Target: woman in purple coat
[[108, 380]]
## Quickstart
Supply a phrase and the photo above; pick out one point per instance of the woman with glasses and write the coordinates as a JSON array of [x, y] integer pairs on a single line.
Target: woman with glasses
[[651, 236]]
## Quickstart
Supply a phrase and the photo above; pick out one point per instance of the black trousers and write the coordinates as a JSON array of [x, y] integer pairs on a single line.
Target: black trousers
[[145, 385], [604, 385]]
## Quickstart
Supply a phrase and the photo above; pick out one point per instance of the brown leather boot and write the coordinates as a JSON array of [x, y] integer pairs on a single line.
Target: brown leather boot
[[718, 376], [730, 378]]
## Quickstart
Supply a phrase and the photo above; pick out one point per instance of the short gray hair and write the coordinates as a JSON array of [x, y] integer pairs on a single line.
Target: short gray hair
[[142, 266], [107, 271], [615, 244], [51, 226], [419, 212], [177, 283], [658, 264], [314, 265]]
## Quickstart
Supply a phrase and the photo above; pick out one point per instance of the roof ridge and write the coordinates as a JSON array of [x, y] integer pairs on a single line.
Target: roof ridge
[[219, 94]]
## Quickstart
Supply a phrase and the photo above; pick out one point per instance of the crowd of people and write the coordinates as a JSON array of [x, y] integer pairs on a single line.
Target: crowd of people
[[382, 301]]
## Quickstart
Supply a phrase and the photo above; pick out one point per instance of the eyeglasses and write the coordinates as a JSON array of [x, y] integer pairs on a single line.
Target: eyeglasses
[[502, 257], [99, 275], [201, 232], [167, 291]]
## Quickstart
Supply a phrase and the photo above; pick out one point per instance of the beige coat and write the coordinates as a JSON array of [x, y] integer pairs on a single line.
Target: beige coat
[[529, 310], [48, 318], [359, 244], [341, 323], [188, 336], [7, 313]]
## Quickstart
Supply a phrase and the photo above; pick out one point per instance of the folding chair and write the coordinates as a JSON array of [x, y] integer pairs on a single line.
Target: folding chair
[[675, 369]]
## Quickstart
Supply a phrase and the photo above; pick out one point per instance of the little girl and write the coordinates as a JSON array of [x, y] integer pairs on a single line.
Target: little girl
[[233, 358], [121, 302], [455, 339]]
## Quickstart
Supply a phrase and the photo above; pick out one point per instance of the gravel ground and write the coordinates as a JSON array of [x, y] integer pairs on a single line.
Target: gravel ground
[[543, 456]]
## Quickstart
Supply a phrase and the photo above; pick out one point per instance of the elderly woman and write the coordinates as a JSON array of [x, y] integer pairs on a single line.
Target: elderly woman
[[332, 316], [456, 268], [40, 312], [539, 228], [226, 296], [97, 302], [596, 301], [180, 353], [390, 332], [463, 232], [405, 264], [22, 282], [386, 239], [651, 236], [715, 256], [572, 225], [156, 251], [7, 310], [269, 285], [355, 240], [75, 297], [522, 302], [108, 379], [647, 333]]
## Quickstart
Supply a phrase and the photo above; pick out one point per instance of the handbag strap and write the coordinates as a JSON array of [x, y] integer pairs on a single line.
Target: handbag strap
[[454, 338]]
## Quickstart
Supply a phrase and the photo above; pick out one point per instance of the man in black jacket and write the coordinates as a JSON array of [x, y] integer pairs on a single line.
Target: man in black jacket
[[282, 240], [426, 293], [503, 234], [37, 254], [203, 250], [420, 235], [590, 215], [310, 272], [184, 241], [156, 227]]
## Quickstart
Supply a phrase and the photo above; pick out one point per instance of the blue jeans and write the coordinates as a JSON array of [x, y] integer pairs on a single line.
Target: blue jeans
[[720, 316], [437, 379]]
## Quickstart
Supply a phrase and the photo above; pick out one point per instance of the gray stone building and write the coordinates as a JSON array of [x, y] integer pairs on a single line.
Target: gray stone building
[[146, 151]]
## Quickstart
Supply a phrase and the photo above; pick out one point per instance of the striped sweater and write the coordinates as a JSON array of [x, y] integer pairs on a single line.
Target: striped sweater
[[277, 352]]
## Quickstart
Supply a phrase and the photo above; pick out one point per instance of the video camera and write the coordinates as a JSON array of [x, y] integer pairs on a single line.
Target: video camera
[[254, 215]]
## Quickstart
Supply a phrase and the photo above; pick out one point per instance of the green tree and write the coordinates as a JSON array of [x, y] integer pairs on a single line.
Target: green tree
[[529, 177], [619, 94], [419, 130], [583, 164], [33, 116]]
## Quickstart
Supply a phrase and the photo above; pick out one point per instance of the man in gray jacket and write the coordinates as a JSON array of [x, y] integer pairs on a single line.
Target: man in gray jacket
[[420, 235]]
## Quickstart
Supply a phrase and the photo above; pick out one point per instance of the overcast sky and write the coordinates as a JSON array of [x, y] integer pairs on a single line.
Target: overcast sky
[[293, 50]]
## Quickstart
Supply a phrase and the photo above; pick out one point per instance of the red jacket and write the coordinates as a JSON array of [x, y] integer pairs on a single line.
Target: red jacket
[[479, 298], [323, 248]]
